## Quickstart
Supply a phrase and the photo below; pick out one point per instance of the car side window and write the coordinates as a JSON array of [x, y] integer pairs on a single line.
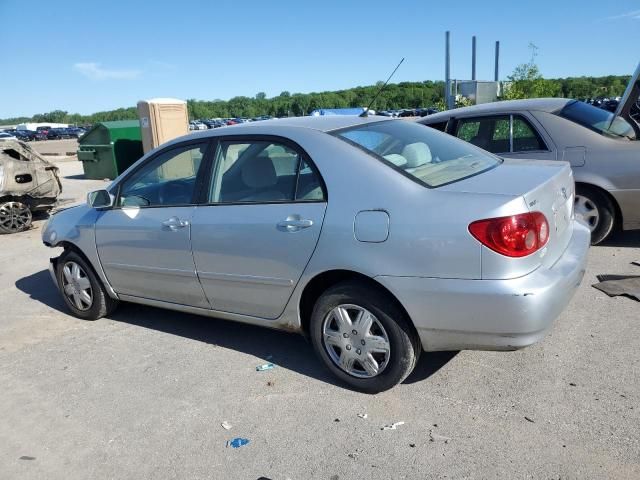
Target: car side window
[[262, 172], [525, 138], [168, 179], [488, 133]]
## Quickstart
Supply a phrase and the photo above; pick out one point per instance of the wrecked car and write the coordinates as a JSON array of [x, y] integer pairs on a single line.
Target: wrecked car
[[28, 184]]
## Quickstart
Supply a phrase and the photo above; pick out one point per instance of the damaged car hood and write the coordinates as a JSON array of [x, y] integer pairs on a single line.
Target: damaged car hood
[[25, 173]]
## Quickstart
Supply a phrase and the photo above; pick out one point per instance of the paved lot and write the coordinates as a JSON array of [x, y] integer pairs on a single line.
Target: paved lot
[[142, 394], [56, 147]]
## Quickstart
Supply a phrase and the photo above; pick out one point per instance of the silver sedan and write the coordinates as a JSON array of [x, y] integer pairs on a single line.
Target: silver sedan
[[376, 238], [602, 147]]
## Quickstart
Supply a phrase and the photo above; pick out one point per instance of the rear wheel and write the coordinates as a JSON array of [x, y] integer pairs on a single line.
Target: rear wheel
[[14, 217], [81, 288], [363, 337], [597, 211]]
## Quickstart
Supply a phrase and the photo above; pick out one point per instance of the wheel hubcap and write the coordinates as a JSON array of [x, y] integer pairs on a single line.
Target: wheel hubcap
[[76, 286], [356, 341], [14, 216], [586, 210]]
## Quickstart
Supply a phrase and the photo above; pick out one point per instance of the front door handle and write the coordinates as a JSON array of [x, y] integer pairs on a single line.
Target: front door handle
[[294, 223], [174, 223]]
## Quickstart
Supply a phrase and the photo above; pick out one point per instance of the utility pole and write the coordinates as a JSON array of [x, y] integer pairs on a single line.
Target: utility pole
[[447, 76]]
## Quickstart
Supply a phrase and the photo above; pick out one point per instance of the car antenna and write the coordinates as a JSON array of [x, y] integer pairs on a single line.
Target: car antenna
[[365, 113]]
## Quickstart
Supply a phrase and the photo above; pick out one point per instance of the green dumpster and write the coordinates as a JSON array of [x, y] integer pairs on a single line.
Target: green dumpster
[[109, 148]]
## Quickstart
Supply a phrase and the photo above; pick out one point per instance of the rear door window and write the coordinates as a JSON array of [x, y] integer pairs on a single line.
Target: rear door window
[[263, 172], [500, 134]]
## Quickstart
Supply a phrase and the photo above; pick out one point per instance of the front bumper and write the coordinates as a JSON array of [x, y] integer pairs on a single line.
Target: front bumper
[[53, 263], [454, 314]]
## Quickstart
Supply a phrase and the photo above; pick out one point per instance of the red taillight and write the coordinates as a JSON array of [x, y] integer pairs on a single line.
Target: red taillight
[[514, 236]]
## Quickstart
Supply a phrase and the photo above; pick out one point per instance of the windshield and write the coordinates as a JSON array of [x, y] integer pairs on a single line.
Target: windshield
[[598, 119], [424, 154]]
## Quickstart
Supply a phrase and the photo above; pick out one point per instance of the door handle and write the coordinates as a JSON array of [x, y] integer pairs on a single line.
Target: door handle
[[294, 223], [174, 223]]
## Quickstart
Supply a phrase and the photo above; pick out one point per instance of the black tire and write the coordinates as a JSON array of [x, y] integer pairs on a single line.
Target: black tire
[[101, 303], [405, 347], [603, 226]]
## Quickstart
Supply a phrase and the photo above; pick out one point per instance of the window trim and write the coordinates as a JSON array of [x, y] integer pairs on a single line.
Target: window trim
[[511, 116], [208, 177], [147, 161]]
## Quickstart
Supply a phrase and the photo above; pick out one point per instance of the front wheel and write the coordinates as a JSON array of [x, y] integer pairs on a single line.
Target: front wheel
[[14, 217], [81, 288], [596, 210], [363, 337]]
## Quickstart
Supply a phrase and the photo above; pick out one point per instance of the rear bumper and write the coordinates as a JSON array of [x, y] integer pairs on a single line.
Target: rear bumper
[[453, 314]]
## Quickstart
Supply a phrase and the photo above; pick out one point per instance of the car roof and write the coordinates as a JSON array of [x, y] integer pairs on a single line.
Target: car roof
[[550, 105], [324, 123]]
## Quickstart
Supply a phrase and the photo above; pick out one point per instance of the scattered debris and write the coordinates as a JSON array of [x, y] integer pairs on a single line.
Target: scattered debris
[[266, 366], [637, 264], [434, 437], [572, 384], [270, 383], [353, 455], [226, 425], [393, 426], [336, 419], [363, 415], [616, 285], [412, 445], [529, 420], [27, 457], [237, 442]]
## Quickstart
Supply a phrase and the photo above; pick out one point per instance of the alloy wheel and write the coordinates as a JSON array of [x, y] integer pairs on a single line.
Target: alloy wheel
[[587, 211], [356, 341], [76, 286], [14, 217]]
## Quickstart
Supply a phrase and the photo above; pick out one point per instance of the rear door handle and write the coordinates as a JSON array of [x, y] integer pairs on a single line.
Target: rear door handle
[[294, 223], [174, 223]]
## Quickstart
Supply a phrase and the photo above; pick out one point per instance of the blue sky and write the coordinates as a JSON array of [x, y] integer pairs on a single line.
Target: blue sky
[[85, 56]]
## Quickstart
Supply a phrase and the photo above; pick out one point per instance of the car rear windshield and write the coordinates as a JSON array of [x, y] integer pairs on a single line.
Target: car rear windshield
[[424, 154], [597, 119]]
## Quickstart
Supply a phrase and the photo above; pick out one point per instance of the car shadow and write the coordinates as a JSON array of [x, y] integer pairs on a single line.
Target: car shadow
[[629, 238], [287, 350], [39, 286]]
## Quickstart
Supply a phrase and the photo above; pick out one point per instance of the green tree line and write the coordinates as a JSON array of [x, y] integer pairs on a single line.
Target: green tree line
[[526, 81]]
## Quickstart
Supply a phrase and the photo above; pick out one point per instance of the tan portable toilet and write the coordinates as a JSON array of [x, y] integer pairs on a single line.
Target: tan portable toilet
[[161, 120]]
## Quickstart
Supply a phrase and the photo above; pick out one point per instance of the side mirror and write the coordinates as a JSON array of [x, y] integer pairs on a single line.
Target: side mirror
[[100, 199]]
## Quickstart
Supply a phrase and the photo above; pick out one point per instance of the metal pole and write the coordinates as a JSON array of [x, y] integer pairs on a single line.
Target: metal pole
[[473, 57], [495, 76], [447, 76]]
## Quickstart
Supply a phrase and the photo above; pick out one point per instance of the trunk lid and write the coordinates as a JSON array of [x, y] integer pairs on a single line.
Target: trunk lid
[[546, 187], [630, 99]]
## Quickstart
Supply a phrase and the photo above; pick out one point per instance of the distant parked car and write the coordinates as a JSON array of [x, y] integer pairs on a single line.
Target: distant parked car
[[58, 133], [602, 147], [6, 135], [377, 238]]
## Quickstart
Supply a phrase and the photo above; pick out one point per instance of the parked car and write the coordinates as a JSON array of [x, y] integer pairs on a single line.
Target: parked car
[[59, 133], [376, 257], [28, 183], [602, 147], [4, 135]]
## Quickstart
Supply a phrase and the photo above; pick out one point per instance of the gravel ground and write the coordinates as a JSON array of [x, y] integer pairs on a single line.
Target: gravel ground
[[142, 394]]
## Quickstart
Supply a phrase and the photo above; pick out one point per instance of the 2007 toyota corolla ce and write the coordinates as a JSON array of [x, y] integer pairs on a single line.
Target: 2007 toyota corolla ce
[[376, 238]]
